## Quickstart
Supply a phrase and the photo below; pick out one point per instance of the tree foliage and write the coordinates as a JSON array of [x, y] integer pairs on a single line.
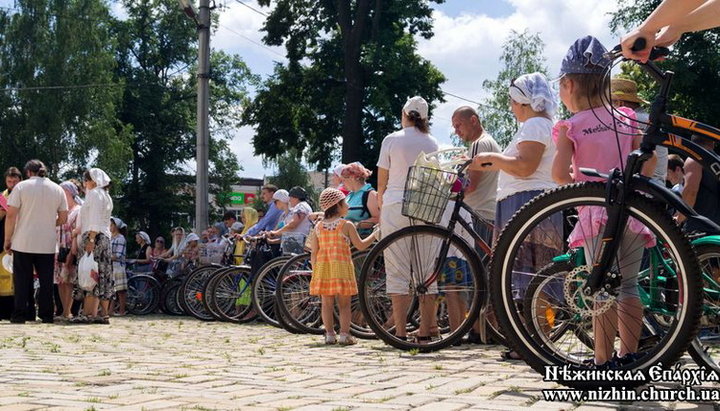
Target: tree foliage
[[522, 54], [351, 67], [694, 60], [60, 97], [83, 88], [156, 56]]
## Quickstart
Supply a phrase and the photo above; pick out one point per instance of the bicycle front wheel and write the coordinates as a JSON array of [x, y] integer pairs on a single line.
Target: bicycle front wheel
[[422, 270], [705, 349], [655, 274], [294, 303]]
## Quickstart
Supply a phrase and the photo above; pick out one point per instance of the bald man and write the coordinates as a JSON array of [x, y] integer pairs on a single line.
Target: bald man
[[481, 192]]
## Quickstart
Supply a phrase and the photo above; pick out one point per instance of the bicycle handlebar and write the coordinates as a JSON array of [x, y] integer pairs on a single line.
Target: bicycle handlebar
[[656, 53]]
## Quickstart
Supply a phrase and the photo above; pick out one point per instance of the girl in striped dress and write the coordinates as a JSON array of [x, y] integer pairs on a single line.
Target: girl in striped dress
[[333, 276]]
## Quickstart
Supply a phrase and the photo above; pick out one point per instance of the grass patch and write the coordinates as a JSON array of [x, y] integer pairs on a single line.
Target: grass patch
[[176, 376], [261, 351], [24, 394], [93, 399], [438, 367], [414, 351], [105, 373], [463, 391]]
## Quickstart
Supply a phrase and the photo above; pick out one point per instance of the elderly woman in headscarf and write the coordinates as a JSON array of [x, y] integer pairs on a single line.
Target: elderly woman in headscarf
[[143, 258], [526, 164], [118, 251], [65, 259], [191, 252], [94, 238]]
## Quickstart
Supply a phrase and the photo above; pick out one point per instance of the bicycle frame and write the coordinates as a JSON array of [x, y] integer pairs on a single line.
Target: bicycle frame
[[467, 225], [664, 130]]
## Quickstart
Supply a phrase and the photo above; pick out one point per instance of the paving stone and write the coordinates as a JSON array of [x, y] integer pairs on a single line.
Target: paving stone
[[253, 367]]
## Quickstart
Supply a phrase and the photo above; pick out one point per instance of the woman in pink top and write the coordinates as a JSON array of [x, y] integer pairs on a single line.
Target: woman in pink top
[[588, 140]]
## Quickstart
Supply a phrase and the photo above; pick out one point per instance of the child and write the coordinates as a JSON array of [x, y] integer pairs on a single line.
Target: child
[[587, 139], [333, 274]]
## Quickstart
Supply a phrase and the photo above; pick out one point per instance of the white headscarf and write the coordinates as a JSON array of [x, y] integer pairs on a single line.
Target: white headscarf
[[99, 177], [534, 89], [145, 237]]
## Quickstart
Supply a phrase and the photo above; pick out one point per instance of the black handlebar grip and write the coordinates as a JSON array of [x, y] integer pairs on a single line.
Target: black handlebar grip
[[639, 44], [485, 164]]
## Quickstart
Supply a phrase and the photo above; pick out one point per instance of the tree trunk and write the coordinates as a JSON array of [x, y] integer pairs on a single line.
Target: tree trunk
[[352, 121]]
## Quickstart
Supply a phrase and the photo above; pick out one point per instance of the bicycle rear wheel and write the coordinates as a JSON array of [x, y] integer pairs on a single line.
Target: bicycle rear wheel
[[192, 289], [232, 294], [669, 292], [143, 294], [705, 348], [264, 290], [439, 270], [208, 295], [293, 300], [168, 298]]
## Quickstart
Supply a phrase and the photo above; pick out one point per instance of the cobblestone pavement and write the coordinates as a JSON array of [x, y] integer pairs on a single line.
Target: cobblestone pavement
[[159, 362]]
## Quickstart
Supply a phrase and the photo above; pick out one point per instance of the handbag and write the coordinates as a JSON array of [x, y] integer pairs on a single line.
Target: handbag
[[63, 252]]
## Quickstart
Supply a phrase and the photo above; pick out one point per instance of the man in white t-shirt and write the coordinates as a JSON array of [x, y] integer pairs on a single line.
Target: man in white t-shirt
[[482, 189], [35, 207]]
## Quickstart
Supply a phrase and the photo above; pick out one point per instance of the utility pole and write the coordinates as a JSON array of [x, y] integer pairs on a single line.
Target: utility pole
[[202, 21]]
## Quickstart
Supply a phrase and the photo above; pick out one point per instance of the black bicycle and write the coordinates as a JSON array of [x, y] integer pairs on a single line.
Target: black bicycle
[[615, 222]]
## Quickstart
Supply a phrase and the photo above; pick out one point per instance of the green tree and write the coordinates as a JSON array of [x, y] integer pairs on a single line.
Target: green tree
[[351, 67], [292, 173], [60, 97], [156, 58], [522, 54], [694, 60]]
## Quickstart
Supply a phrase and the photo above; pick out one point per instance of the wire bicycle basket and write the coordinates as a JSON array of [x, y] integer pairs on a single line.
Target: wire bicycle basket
[[427, 192]]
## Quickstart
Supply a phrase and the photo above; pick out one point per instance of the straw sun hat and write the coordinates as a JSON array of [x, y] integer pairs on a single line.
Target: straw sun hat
[[625, 90]]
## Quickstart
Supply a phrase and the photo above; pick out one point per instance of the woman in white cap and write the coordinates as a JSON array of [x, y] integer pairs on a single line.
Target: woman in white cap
[[397, 153], [118, 252], [95, 238], [191, 252], [337, 180], [65, 259]]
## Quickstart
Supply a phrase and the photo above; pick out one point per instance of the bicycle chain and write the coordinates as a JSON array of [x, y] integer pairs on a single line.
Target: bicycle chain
[[576, 279]]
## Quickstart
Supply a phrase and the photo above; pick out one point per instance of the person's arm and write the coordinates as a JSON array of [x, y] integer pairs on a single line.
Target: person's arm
[[383, 176], [373, 207], [62, 218], [563, 158], [523, 165], [360, 243], [674, 17], [10, 226], [693, 175]]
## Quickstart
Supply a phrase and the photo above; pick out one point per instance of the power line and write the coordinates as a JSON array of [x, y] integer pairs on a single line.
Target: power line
[[251, 40], [252, 8], [474, 102]]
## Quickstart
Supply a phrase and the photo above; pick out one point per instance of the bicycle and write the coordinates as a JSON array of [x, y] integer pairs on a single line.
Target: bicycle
[[626, 199], [302, 311], [547, 311], [434, 260]]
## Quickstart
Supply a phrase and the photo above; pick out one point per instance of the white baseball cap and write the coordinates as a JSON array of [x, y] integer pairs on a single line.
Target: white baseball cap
[[338, 170], [418, 104]]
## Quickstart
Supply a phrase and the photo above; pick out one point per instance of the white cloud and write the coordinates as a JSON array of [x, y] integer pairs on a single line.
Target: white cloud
[[466, 48]]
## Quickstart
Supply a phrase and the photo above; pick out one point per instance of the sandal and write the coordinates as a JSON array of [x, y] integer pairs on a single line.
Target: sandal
[[80, 319], [330, 339], [510, 355]]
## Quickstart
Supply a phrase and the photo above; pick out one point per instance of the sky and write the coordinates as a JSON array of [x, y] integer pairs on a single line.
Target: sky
[[466, 47]]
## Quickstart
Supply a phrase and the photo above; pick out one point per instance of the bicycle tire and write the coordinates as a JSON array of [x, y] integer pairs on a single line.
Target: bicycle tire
[[192, 289], [374, 300], [208, 294], [299, 309], [358, 325], [705, 346], [549, 312], [168, 298], [231, 291], [143, 296], [263, 290], [538, 353]]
